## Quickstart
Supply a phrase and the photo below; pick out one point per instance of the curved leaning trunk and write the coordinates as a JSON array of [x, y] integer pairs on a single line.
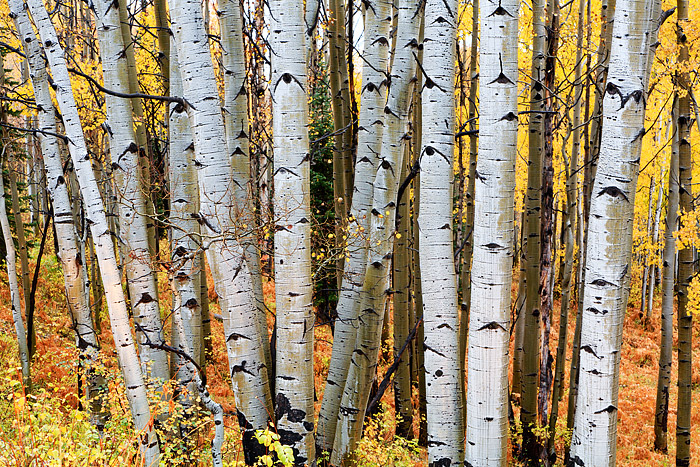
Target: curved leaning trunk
[[74, 273], [132, 206], [294, 382], [374, 92], [101, 235], [236, 122], [217, 216], [609, 245], [489, 325], [443, 371], [381, 236]]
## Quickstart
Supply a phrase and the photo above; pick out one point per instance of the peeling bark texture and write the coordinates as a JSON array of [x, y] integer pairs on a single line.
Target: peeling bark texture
[[132, 205], [489, 323], [101, 235], [609, 246], [294, 382], [381, 236], [219, 224], [374, 94], [663, 386], [237, 128], [74, 272], [445, 412]]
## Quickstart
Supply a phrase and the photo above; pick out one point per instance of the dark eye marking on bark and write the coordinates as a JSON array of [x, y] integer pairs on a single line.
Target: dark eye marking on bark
[[509, 117], [240, 369], [597, 311], [427, 347], [492, 246], [608, 409], [234, 336], [493, 325], [589, 349], [613, 192], [479, 177], [191, 303], [145, 299], [602, 283]]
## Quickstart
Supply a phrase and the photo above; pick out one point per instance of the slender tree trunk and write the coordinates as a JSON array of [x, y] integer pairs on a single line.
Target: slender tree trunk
[[134, 225], [294, 383], [184, 234], [489, 326], [444, 384], [686, 264], [531, 321], [217, 215], [610, 240], [22, 252], [644, 313], [374, 92], [236, 121], [381, 235], [68, 251], [663, 386], [402, 312], [101, 235], [655, 243], [11, 261]]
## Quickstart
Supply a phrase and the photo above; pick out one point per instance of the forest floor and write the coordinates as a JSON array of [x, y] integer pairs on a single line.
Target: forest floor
[[48, 426]]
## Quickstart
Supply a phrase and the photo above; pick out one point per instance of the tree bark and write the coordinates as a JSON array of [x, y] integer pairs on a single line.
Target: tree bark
[[494, 197], [101, 235], [610, 239]]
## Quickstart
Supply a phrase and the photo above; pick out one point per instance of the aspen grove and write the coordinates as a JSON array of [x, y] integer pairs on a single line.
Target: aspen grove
[[349, 233]]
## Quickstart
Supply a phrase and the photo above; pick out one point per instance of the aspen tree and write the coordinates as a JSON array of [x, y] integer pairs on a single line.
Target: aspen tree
[[184, 238], [532, 246], [101, 235], [489, 321], [294, 381], [663, 386], [443, 371], [74, 272], [381, 235], [608, 251], [374, 92], [236, 122], [217, 216], [132, 205], [686, 263], [16, 304]]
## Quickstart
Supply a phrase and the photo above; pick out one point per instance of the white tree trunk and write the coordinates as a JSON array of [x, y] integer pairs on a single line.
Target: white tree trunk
[[381, 234], [294, 383], [74, 273], [236, 121], [443, 372], [102, 238], [373, 96], [184, 234], [221, 228], [132, 206], [489, 323], [609, 245]]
